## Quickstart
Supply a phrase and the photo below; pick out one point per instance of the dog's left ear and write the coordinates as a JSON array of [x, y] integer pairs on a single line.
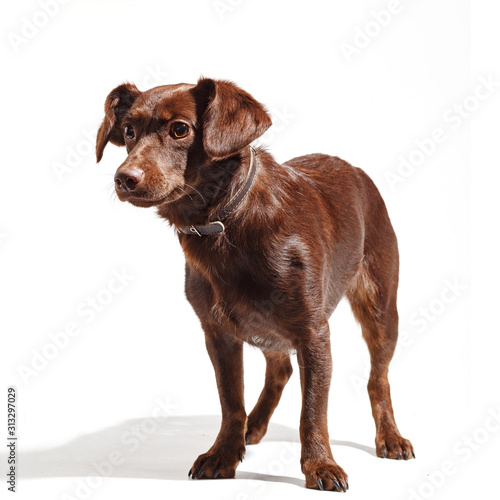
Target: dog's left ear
[[117, 104], [230, 117]]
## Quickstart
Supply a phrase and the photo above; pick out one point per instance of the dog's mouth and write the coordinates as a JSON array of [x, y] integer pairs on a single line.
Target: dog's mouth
[[141, 202], [146, 202]]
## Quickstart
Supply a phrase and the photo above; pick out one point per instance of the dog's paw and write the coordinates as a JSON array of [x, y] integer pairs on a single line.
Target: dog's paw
[[325, 475], [216, 464], [394, 446], [255, 432]]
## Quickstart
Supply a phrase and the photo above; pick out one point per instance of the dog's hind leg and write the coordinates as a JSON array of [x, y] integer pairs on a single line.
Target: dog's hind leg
[[372, 295], [278, 371]]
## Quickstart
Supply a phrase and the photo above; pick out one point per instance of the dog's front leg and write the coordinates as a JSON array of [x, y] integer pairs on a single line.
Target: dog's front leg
[[315, 362], [221, 460]]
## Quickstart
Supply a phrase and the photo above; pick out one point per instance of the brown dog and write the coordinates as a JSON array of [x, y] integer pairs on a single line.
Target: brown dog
[[270, 250]]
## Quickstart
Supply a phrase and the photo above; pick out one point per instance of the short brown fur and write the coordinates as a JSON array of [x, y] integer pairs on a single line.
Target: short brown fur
[[308, 232]]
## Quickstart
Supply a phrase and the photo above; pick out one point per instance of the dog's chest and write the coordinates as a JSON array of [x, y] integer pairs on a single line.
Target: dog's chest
[[251, 314], [241, 293]]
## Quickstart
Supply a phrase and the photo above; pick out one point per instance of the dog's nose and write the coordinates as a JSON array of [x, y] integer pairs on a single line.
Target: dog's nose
[[126, 179]]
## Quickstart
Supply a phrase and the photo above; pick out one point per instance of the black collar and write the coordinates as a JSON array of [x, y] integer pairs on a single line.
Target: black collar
[[216, 226]]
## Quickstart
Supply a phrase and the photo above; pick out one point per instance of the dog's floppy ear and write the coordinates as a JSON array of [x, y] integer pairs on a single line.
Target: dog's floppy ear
[[230, 117], [118, 102]]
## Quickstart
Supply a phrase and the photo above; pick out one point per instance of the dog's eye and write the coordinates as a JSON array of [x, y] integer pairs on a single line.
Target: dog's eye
[[180, 129], [129, 132]]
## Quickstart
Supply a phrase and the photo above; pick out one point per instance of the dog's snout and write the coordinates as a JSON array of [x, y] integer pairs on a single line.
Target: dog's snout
[[127, 179]]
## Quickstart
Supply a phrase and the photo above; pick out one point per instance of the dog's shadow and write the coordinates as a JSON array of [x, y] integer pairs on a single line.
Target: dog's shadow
[[149, 448]]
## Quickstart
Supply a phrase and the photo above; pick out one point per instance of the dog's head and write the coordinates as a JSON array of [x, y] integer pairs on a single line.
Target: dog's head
[[171, 131]]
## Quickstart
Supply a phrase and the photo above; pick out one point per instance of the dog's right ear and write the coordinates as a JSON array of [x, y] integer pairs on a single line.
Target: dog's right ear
[[118, 102]]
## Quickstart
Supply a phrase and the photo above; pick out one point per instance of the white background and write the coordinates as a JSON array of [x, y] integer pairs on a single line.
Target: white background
[[63, 234]]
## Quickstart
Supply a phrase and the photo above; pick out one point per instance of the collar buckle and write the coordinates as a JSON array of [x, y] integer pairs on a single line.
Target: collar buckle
[[218, 222]]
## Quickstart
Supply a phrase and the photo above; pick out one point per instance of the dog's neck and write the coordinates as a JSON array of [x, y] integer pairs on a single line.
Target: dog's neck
[[214, 184]]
